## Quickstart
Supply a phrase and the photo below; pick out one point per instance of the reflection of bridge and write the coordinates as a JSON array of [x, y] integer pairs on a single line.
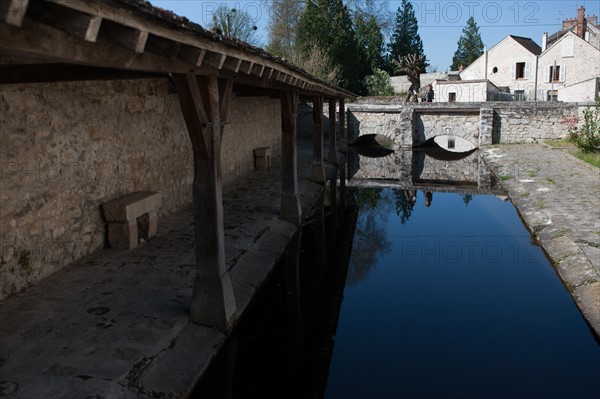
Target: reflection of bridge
[[414, 169]]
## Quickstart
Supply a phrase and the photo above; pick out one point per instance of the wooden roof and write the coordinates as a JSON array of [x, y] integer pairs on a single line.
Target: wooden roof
[[49, 40]]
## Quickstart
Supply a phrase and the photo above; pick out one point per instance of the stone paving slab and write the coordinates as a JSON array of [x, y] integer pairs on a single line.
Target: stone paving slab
[[116, 324], [558, 197]]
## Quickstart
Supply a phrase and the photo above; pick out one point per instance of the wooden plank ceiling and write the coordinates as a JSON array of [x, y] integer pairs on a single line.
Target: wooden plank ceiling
[[51, 40]]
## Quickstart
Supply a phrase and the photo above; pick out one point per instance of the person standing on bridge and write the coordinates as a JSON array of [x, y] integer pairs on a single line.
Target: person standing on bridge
[[429, 95]]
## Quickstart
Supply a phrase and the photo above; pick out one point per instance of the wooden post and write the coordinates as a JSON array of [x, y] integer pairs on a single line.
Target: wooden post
[[293, 303], [333, 201], [205, 106], [318, 172], [332, 156], [290, 199], [344, 151]]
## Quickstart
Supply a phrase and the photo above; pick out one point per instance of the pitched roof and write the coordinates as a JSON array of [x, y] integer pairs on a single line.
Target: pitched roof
[[529, 44]]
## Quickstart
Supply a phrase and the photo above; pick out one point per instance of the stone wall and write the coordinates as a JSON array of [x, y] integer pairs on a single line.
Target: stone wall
[[512, 122], [528, 123], [66, 148]]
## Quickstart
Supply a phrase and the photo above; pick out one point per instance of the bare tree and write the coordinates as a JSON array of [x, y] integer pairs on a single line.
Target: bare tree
[[285, 15], [319, 64], [411, 65], [235, 23]]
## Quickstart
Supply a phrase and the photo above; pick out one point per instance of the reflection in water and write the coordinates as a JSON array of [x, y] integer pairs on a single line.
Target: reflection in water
[[419, 170], [459, 304], [370, 240], [405, 202]]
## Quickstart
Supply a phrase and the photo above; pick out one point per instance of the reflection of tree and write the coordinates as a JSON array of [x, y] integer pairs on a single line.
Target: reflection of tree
[[404, 204], [365, 198], [370, 237], [467, 198]]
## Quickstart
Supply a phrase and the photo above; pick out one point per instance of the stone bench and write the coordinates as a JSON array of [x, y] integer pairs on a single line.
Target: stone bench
[[122, 216]]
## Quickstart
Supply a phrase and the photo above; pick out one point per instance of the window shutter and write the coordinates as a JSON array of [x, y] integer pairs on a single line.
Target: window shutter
[[567, 47], [547, 74], [563, 72], [514, 71], [527, 70]]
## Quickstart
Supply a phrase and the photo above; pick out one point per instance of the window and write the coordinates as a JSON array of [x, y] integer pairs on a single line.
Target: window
[[495, 70], [520, 70], [452, 97], [552, 95], [555, 73], [519, 95]]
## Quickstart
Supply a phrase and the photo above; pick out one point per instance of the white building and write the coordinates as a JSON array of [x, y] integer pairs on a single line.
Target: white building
[[510, 65], [565, 68], [569, 65]]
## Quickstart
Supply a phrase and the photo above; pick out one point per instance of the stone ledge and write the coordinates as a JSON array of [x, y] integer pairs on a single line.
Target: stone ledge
[[587, 298]]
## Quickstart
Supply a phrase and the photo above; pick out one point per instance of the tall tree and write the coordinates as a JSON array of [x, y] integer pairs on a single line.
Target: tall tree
[[370, 39], [285, 16], [327, 24], [405, 38], [470, 46], [235, 23]]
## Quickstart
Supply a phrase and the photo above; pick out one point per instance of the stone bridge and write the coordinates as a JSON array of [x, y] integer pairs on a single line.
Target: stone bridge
[[410, 125]]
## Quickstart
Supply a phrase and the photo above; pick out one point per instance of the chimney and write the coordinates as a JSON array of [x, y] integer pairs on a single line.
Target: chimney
[[581, 22], [544, 41], [460, 68]]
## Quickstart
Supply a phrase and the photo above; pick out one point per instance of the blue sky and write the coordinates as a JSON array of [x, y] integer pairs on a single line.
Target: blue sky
[[440, 22]]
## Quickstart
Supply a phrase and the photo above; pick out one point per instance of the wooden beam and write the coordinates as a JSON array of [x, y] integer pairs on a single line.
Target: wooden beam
[[82, 25], [318, 171], [248, 65], [45, 42], [172, 30], [12, 12], [129, 38], [290, 199], [193, 55], [203, 106], [194, 112], [61, 72], [163, 47], [332, 156], [344, 149]]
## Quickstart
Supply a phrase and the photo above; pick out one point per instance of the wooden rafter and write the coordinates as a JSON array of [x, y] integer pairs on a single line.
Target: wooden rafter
[[13, 11]]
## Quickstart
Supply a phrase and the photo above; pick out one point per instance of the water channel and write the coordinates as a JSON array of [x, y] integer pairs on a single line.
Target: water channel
[[434, 288]]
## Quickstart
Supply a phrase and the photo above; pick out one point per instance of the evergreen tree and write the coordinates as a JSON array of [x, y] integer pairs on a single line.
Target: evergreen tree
[[470, 46], [285, 15], [370, 39], [327, 24], [405, 38]]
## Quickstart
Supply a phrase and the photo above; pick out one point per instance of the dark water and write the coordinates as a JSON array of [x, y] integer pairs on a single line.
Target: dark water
[[453, 300], [422, 293]]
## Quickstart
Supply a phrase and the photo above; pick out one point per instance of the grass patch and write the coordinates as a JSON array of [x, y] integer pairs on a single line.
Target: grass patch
[[532, 173], [549, 180], [593, 158], [505, 177], [562, 143], [560, 233], [541, 204]]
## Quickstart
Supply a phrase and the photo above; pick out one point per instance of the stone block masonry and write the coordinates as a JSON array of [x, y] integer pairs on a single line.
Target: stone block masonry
[[66, 148], [480, 123]]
